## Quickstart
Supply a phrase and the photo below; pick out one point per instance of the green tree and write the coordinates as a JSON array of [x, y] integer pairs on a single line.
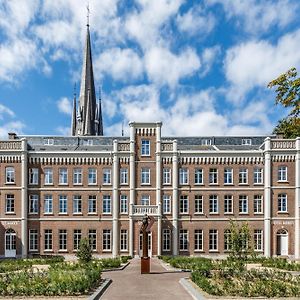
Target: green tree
[[288, 95], [84, 252]]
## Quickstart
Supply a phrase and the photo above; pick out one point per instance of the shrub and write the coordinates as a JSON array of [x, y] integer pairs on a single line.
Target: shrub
[[84, 252]]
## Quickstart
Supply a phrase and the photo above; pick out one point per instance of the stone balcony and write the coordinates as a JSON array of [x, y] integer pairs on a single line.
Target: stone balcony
[[141, 210]]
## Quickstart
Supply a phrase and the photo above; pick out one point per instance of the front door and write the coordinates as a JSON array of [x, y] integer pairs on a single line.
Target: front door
[[284, 245], [10, 243], [149, 245]]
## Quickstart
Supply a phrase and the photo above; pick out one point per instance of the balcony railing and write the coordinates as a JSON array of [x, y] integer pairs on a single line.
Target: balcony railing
[[141, 210]]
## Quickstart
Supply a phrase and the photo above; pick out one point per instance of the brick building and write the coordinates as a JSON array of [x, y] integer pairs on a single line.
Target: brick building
[[56, 190]]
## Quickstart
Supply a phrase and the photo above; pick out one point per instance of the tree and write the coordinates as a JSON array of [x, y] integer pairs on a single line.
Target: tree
[[84, 252], [288, 95]]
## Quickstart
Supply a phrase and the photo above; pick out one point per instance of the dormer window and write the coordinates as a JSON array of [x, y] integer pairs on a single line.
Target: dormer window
[[88, 142], [246, 142], [206, 142], [48, 141]]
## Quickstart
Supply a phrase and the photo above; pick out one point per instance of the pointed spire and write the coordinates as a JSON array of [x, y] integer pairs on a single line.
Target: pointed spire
[[99, 117], [74, 121], [88, 128]]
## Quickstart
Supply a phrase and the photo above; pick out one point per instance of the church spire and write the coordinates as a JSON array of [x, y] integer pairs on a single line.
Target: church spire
[[74, 117]]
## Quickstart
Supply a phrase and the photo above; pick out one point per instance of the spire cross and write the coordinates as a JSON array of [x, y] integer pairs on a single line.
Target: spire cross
[[88, 14]]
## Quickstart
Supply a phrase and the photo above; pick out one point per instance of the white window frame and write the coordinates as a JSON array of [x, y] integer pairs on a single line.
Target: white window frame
[[145, 148], [213, 204], [243, 176], [167, 176], [62, 240], [183, 176], [62, 204], [213, 176], [228, 199], [257, 202], [247, 141], [77, 176], [48, 176], [124, 176], [145, 176], [92, 236], [198, 240], [77, 235], [10, 203], [106, 207], [183, 240], [123, 240], [282, 174], [92, 204], [33, 240], [228, 176], [258, 175], [33, 204], [106, 176], [198, 204], [243, 204], [184, 204], [166, 239], [92, 176], [33, 176], [198, 176], [77, 205], [166, 204], [258, 240], [106, 240], [48, 204], [63, 176], [123, 204], [213, 244], [145, 200], [48, 239], [282, 202]]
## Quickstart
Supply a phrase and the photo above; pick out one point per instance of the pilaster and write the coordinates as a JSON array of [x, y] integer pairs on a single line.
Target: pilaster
[[115, 245], [297, 200], [175, 199], [131, 187], [158, 187]]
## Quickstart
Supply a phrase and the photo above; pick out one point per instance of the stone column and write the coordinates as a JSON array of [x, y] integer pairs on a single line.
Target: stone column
[[175, 199], [131, 187], [24, 199], [297, 200], [115, 245], [158, 186], [267, 198]]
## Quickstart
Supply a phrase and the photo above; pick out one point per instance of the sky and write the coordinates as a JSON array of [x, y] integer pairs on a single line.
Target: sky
[[200, 67]]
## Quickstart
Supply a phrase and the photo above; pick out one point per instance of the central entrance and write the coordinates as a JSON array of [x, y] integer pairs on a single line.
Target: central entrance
[[282, 242], [149, 245], [10, 243]]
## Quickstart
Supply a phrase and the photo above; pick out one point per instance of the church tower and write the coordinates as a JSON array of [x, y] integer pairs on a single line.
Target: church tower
[[87, 119]]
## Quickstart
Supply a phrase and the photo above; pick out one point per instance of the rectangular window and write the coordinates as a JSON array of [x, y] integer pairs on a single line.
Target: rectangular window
[[92, 204], [183, 176], [10, 174], [93, 239], [77, 204], [62, 235], [227, 240], [48, 204], [184, 204], [63, 176], [198, 204], [77, 176], [123, 176], [145, 200], [243, 176], [213, 176], [206, 142], [243, 204], [258, 240], [213, 204], [123, 204], [33, 204], [183, 240], [48, 142], [198, 176], [282, 173], [34, 176], [228, 176], [76, 238], [166, 239], [213, 240], [145, 151], [123, 240], [33, 240], [257, 204], [166, 176], [63, 204], [246, 142], [145, 176], [48, 176], [166, 204], [106, 239], [92, 176], [258, 176], [10, 203], [198, 240], [106, 176], [106, 204], [282, 203], [48, 239], [228, 204]]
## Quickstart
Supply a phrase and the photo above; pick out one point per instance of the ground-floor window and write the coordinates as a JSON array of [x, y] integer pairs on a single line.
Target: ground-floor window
[[48, 239], [213, 240], [33, 240], [227, 240], [198, 239], [106, 240], [93, 239], [123, 240], [183, 239], [258, 240], [62, 235], [76, 238], [166, 240]]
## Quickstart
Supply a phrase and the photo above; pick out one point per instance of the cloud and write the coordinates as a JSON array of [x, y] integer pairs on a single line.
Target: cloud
[[5, 111], [13, 126], [65, 131], [208, 58], [64, 106]]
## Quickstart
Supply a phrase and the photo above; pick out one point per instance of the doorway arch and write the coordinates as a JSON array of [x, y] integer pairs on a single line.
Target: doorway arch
[[10, 243], [282, 238]]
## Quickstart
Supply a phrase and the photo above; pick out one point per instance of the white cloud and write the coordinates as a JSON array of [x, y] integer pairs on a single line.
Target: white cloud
[[64, 106], [13, 126], [65, 131], [5, 111], [208, 57]]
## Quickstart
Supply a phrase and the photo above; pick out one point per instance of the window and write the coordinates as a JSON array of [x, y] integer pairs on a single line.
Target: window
[[123, 204], [76, 238], [166, 176], [198, 176], [206, 142], [33, 204], [198, 204], [63, 204], [282, 203], [88, 142], [10, 174], [227, 240], [48, 175], [93, 239], [228, 204], [213, 240], [48, 239], [166, 239], [243, 204], [63, 176], [145, 176], [77, 204], [183, 240], [92, 204], [34, 176], [282, 173], [145, 147], [123, 240], [92, 177], [184, 204], [257, 204], [246, 141], [77, 176], [183, 176], [213, 176], [123, 176], [62, 235], [48, 142], [198, 240], [10, 203], [106, 176], [33, 240], [166, 204], [106, 204], [48, 204], [228, 176], [106, 240], [258, 176], [243, 176], [258, 242], [213, 204], [145, 200]]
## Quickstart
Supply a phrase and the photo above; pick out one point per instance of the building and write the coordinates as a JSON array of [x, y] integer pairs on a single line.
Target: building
[[56, 190]]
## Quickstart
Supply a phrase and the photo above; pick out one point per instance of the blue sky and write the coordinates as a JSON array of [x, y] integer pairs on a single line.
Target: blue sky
[[200, 67]]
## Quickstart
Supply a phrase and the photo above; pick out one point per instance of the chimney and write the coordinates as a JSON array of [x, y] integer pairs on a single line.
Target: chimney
[[12, 136]]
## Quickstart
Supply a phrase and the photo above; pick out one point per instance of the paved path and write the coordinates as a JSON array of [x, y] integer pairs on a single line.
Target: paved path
[[160, 284]]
